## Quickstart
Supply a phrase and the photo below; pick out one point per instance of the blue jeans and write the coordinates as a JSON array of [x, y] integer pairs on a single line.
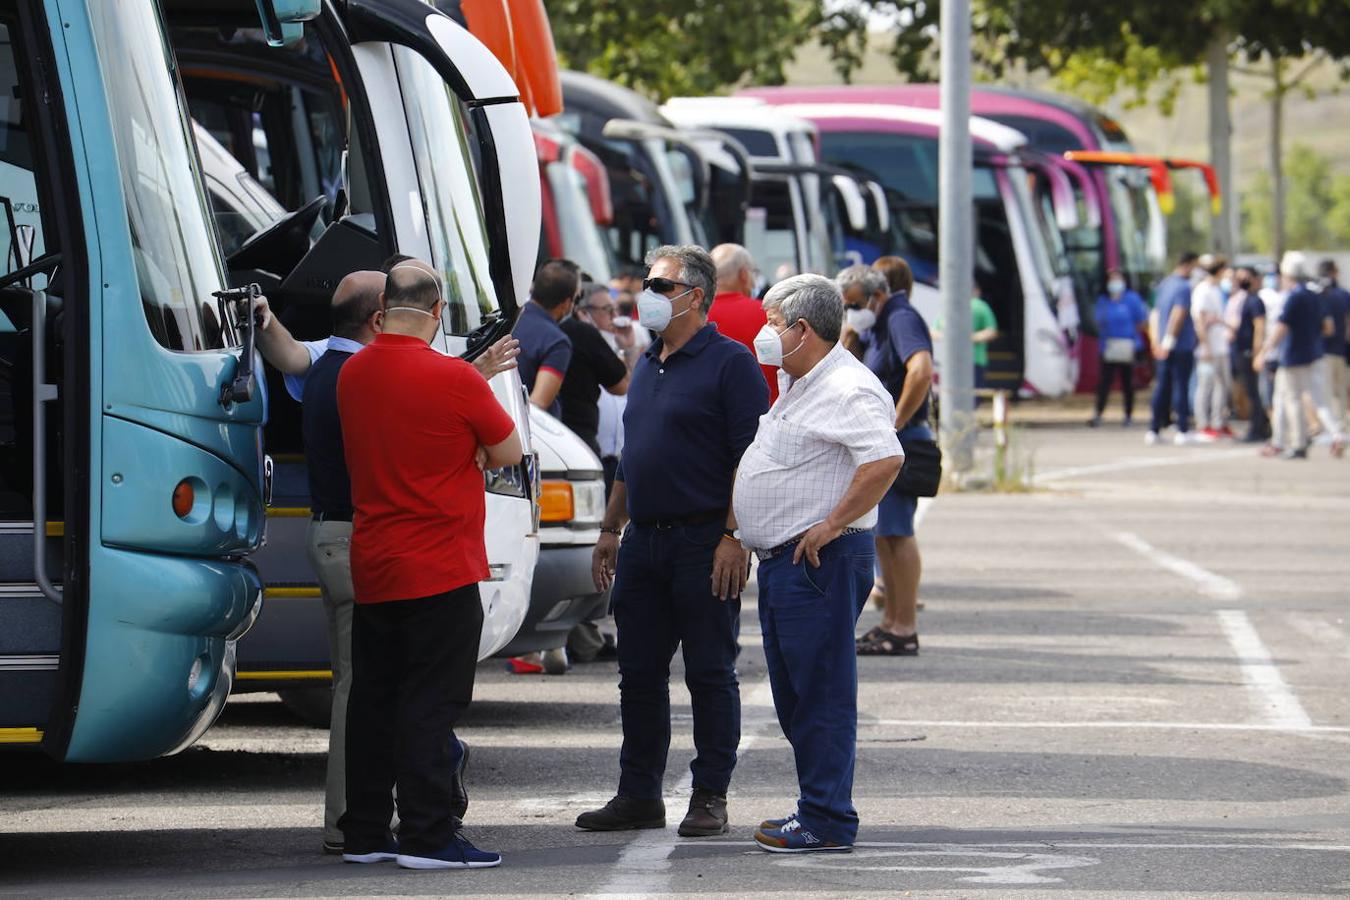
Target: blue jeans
[[1173, 390], [663, 599], [808, 616]]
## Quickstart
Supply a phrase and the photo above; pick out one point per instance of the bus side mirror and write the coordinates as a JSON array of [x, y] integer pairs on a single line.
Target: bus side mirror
[[283, 20]]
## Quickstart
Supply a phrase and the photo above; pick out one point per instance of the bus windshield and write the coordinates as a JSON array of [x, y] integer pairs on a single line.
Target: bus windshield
[[455, 227], [178, 265]]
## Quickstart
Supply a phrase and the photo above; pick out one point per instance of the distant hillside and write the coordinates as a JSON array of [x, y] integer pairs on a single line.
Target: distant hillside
[[1323, 122]]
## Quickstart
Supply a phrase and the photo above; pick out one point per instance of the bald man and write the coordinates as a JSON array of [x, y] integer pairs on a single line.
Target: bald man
[[735, 311], [418, 429]]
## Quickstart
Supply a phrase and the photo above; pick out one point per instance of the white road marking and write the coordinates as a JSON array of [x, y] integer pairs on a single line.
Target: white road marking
[[1020, 869], [1306, 727], [1270, 693], [1142, 462], [643, 868], [1209, 584]]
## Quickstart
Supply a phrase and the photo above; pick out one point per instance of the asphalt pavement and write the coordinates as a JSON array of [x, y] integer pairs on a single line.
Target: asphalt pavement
[[1132, 683]]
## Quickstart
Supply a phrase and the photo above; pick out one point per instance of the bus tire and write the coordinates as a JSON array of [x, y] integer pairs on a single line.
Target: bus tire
[[312, 705]]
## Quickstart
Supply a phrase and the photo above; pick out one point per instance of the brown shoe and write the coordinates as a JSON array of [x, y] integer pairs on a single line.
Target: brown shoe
[[707, 815], [625, 814]]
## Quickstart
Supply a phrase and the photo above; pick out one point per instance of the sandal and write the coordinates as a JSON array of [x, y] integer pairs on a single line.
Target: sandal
[[887, 644], [875, 634]]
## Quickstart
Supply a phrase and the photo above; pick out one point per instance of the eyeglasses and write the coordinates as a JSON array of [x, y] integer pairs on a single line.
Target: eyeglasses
[[663, 285]]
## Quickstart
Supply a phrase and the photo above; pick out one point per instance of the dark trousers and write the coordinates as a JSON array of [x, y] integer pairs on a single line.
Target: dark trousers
[[413, 665], [808, 616], [1109, 373], [663, 599], [611, 466], [1173, 391], [1258, 423]]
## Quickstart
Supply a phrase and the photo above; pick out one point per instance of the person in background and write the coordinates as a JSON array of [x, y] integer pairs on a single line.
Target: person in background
[[1122, 323], [1272, 296], [594, 364], [418, 430], [735, 311], [545, 349], [1246, 318], [1213, 368], [1297, 338], [806, 496], [1175, 352], [899, 350], [983, 332], [865, 290], [1336, 307], [694, 404], [625, 321]]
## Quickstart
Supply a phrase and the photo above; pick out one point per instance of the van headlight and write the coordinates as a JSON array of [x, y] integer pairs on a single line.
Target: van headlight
[[589, 499], [578, 504]]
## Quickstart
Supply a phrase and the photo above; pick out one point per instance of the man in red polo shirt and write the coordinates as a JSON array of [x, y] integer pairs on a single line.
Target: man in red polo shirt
[[418, 429], [736, 313]]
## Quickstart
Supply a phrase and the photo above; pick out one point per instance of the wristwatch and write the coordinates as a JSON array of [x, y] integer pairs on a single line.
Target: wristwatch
[[732, 533]]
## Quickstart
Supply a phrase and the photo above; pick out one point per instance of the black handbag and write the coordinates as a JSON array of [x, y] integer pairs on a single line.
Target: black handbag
[[922, 471]]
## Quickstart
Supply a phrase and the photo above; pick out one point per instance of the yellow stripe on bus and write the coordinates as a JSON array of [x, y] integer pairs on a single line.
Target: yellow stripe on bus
[[289, 512], [283, 593], [56, 529], [284, 675], [20, 736]]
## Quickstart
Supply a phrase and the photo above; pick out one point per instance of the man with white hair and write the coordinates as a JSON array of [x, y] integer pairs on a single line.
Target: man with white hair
[[805, 498], [1297, 338], [735, 311]]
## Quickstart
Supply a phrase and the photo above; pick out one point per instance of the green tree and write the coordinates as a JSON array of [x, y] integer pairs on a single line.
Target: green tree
[[1317, 214], [664, 48]]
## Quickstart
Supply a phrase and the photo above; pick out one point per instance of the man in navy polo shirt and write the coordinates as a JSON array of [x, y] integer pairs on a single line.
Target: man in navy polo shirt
[[693, 407], [545, 349], [1175, 352]]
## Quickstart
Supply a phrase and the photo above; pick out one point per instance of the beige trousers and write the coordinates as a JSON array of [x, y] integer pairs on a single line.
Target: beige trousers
[[329, 550], [1336, 382]]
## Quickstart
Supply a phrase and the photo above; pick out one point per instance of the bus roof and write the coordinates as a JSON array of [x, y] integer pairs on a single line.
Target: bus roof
[[902, 120]]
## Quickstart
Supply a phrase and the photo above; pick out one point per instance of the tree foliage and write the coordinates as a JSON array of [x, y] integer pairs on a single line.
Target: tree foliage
[[1317, 212], [664, 48]]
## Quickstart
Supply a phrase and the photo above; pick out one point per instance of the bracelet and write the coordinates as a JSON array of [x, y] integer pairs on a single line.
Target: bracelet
[[614, 531]]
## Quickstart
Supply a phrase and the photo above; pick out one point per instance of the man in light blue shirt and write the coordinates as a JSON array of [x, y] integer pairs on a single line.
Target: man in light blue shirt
[[1175, 352]]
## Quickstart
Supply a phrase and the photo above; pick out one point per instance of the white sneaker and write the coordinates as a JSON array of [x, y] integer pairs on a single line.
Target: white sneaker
[[1151, 438], [1183, 438]]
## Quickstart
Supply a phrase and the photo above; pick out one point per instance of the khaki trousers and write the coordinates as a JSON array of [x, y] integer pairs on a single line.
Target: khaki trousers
[[329, 550], [1336, 381]]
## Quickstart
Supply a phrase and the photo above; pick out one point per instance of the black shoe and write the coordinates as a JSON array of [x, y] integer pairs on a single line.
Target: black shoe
[[333, 848], [625, 814], [707, 815], [1094, 421], [609, 649], [459, 797]]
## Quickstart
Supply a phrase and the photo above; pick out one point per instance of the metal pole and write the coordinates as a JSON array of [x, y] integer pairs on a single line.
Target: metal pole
[[1220, 143], [956, 241]]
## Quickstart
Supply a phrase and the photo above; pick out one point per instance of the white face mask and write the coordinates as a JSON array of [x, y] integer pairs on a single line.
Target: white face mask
[[860, 319], [429, 315], [622, 321], [1115, 288], [1226, 285], [654, 310], [769, 346]]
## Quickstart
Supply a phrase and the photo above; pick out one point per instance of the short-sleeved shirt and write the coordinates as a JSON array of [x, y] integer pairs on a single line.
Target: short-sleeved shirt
[[810, 444], [1244, 335], [412, 422], [1174, 292], [295, 384], [543, 347], [1302, 315], [981, 317], [594, 365], [740, 318], [1335, 306], [1120, 318], [687, 422], [1208, 300], [898, 334]]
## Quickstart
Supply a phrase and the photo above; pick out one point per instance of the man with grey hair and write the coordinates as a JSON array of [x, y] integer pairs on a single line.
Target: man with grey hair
[[806, 497], [735, 311], [694, 402], [864, 288]]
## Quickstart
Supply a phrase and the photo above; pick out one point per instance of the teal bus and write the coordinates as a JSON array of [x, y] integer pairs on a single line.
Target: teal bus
[[134, 478]]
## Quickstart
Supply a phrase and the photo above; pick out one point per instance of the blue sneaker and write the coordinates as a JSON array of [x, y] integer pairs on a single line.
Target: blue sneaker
[[775, 824], [793, 838], [458, 854], [384, 854]]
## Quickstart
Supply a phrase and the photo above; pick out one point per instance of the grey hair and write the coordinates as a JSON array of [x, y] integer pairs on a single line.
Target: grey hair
[[814, 298], [696, 268], [731, 260], [871, 280]]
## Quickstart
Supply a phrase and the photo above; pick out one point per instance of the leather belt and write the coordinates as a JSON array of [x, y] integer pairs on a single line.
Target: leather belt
[[697, 519], [788, 545]]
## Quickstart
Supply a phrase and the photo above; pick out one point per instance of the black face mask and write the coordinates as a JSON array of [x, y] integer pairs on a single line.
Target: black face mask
[[1244, 284]]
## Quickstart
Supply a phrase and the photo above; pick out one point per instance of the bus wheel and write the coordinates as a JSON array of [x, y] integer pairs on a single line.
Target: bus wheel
[[312, 705]]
